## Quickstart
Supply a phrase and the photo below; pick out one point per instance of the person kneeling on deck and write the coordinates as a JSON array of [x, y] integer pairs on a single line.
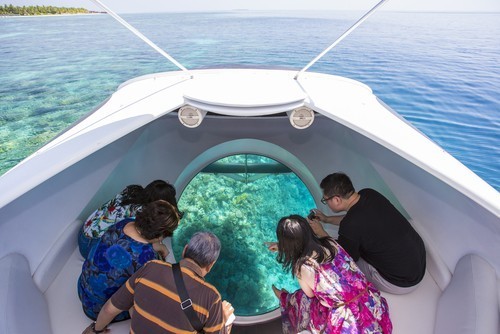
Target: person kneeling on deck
[[154, 298], [121, 251], [124, 205], [375, 234]]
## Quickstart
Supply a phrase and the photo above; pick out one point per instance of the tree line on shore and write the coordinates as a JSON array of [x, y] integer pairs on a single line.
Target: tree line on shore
[[40, 10]]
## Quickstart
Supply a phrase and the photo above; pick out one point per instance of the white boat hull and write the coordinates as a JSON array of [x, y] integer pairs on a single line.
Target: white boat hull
[[136, 137]]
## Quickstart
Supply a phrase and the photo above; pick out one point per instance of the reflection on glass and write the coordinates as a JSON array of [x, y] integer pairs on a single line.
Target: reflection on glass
[[242, 209]]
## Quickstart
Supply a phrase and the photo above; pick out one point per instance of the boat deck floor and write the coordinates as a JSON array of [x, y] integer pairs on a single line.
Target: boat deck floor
[[411, 314]]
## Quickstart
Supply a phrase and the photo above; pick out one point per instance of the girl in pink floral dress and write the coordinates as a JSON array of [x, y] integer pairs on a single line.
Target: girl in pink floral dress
[[335, 296]]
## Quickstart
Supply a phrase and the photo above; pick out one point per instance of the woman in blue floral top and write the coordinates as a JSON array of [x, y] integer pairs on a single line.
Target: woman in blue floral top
[[125, 205], [121, 251]]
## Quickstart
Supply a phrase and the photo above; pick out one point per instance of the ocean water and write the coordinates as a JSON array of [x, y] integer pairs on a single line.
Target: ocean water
[[440, 71], [243, 211]]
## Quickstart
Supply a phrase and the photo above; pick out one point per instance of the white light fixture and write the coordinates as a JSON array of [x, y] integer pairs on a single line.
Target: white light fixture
[[190, 116], [301, 118]]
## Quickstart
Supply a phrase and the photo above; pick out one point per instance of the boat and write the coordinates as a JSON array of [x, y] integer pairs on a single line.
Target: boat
[[310, 123]]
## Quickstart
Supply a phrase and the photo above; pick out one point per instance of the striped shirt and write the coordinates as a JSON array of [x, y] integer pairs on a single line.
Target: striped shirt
[[152, 293]]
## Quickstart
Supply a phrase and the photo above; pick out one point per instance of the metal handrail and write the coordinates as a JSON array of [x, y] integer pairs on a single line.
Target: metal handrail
[[140, 35], [347, 32]]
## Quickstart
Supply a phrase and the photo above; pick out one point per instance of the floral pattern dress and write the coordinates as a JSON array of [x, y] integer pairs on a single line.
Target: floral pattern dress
[[107, 215], [109, 264], [101, 220], [344, 302]]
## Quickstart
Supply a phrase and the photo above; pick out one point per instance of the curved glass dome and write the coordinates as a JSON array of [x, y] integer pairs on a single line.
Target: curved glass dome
[[240, 199]]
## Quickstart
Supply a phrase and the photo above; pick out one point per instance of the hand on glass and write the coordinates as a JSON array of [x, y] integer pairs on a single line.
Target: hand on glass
[[272, 246]]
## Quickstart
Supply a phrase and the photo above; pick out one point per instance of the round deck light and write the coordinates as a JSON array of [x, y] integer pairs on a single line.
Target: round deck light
[[190, 116], [301, 118]]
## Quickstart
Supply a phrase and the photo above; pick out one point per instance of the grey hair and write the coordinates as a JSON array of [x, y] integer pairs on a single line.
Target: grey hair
[[203, 248]]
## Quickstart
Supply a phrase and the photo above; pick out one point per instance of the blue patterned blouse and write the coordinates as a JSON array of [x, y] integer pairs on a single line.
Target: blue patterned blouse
[[110, 263]]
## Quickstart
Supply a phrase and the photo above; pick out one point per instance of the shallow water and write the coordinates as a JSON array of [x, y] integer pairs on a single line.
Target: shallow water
[[441, 71], [241, 211]]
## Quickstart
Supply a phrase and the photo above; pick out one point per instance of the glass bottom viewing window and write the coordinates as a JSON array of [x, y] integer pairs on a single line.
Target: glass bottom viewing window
[[240, 199]]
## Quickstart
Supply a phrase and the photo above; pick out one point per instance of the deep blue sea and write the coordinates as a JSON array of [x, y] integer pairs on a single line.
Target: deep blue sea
[[440, 71]]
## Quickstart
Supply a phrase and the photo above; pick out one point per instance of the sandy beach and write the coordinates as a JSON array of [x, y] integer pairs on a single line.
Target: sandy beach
[[51, 15]]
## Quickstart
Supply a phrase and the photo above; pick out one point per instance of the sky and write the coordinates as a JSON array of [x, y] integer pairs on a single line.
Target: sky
[[136, 6]]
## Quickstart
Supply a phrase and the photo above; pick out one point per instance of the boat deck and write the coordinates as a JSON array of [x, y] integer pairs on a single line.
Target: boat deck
[[411, 314]]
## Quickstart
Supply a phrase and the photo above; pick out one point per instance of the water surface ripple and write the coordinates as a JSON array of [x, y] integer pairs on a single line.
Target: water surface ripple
[[440, 71]]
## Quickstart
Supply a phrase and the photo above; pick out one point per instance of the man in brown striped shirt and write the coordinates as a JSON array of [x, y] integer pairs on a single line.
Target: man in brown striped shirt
[[152, 296]]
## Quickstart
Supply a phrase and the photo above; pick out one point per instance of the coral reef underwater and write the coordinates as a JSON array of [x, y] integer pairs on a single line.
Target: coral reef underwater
[[243, 211]]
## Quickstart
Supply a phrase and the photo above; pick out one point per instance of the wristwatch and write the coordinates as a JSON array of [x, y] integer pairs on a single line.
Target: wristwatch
[[92, 327]]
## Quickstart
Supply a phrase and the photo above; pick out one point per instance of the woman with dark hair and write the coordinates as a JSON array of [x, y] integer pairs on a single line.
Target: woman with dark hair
[[125, 205], [335, 296], [121, 251]]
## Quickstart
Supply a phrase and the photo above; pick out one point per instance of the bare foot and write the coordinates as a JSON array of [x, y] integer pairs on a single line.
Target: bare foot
[[277, 291]]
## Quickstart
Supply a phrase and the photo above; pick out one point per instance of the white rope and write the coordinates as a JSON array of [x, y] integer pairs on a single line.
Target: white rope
[[140, 35], [337, 41]]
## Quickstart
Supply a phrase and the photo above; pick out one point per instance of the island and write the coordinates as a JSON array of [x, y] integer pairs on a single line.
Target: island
[[10, 10]]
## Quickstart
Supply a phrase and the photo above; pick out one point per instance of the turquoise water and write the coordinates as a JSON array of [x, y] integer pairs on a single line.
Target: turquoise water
[[441, 71], [243, 211]]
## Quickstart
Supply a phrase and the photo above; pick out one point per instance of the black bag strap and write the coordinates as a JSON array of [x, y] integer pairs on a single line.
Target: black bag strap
[[186, 303]]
